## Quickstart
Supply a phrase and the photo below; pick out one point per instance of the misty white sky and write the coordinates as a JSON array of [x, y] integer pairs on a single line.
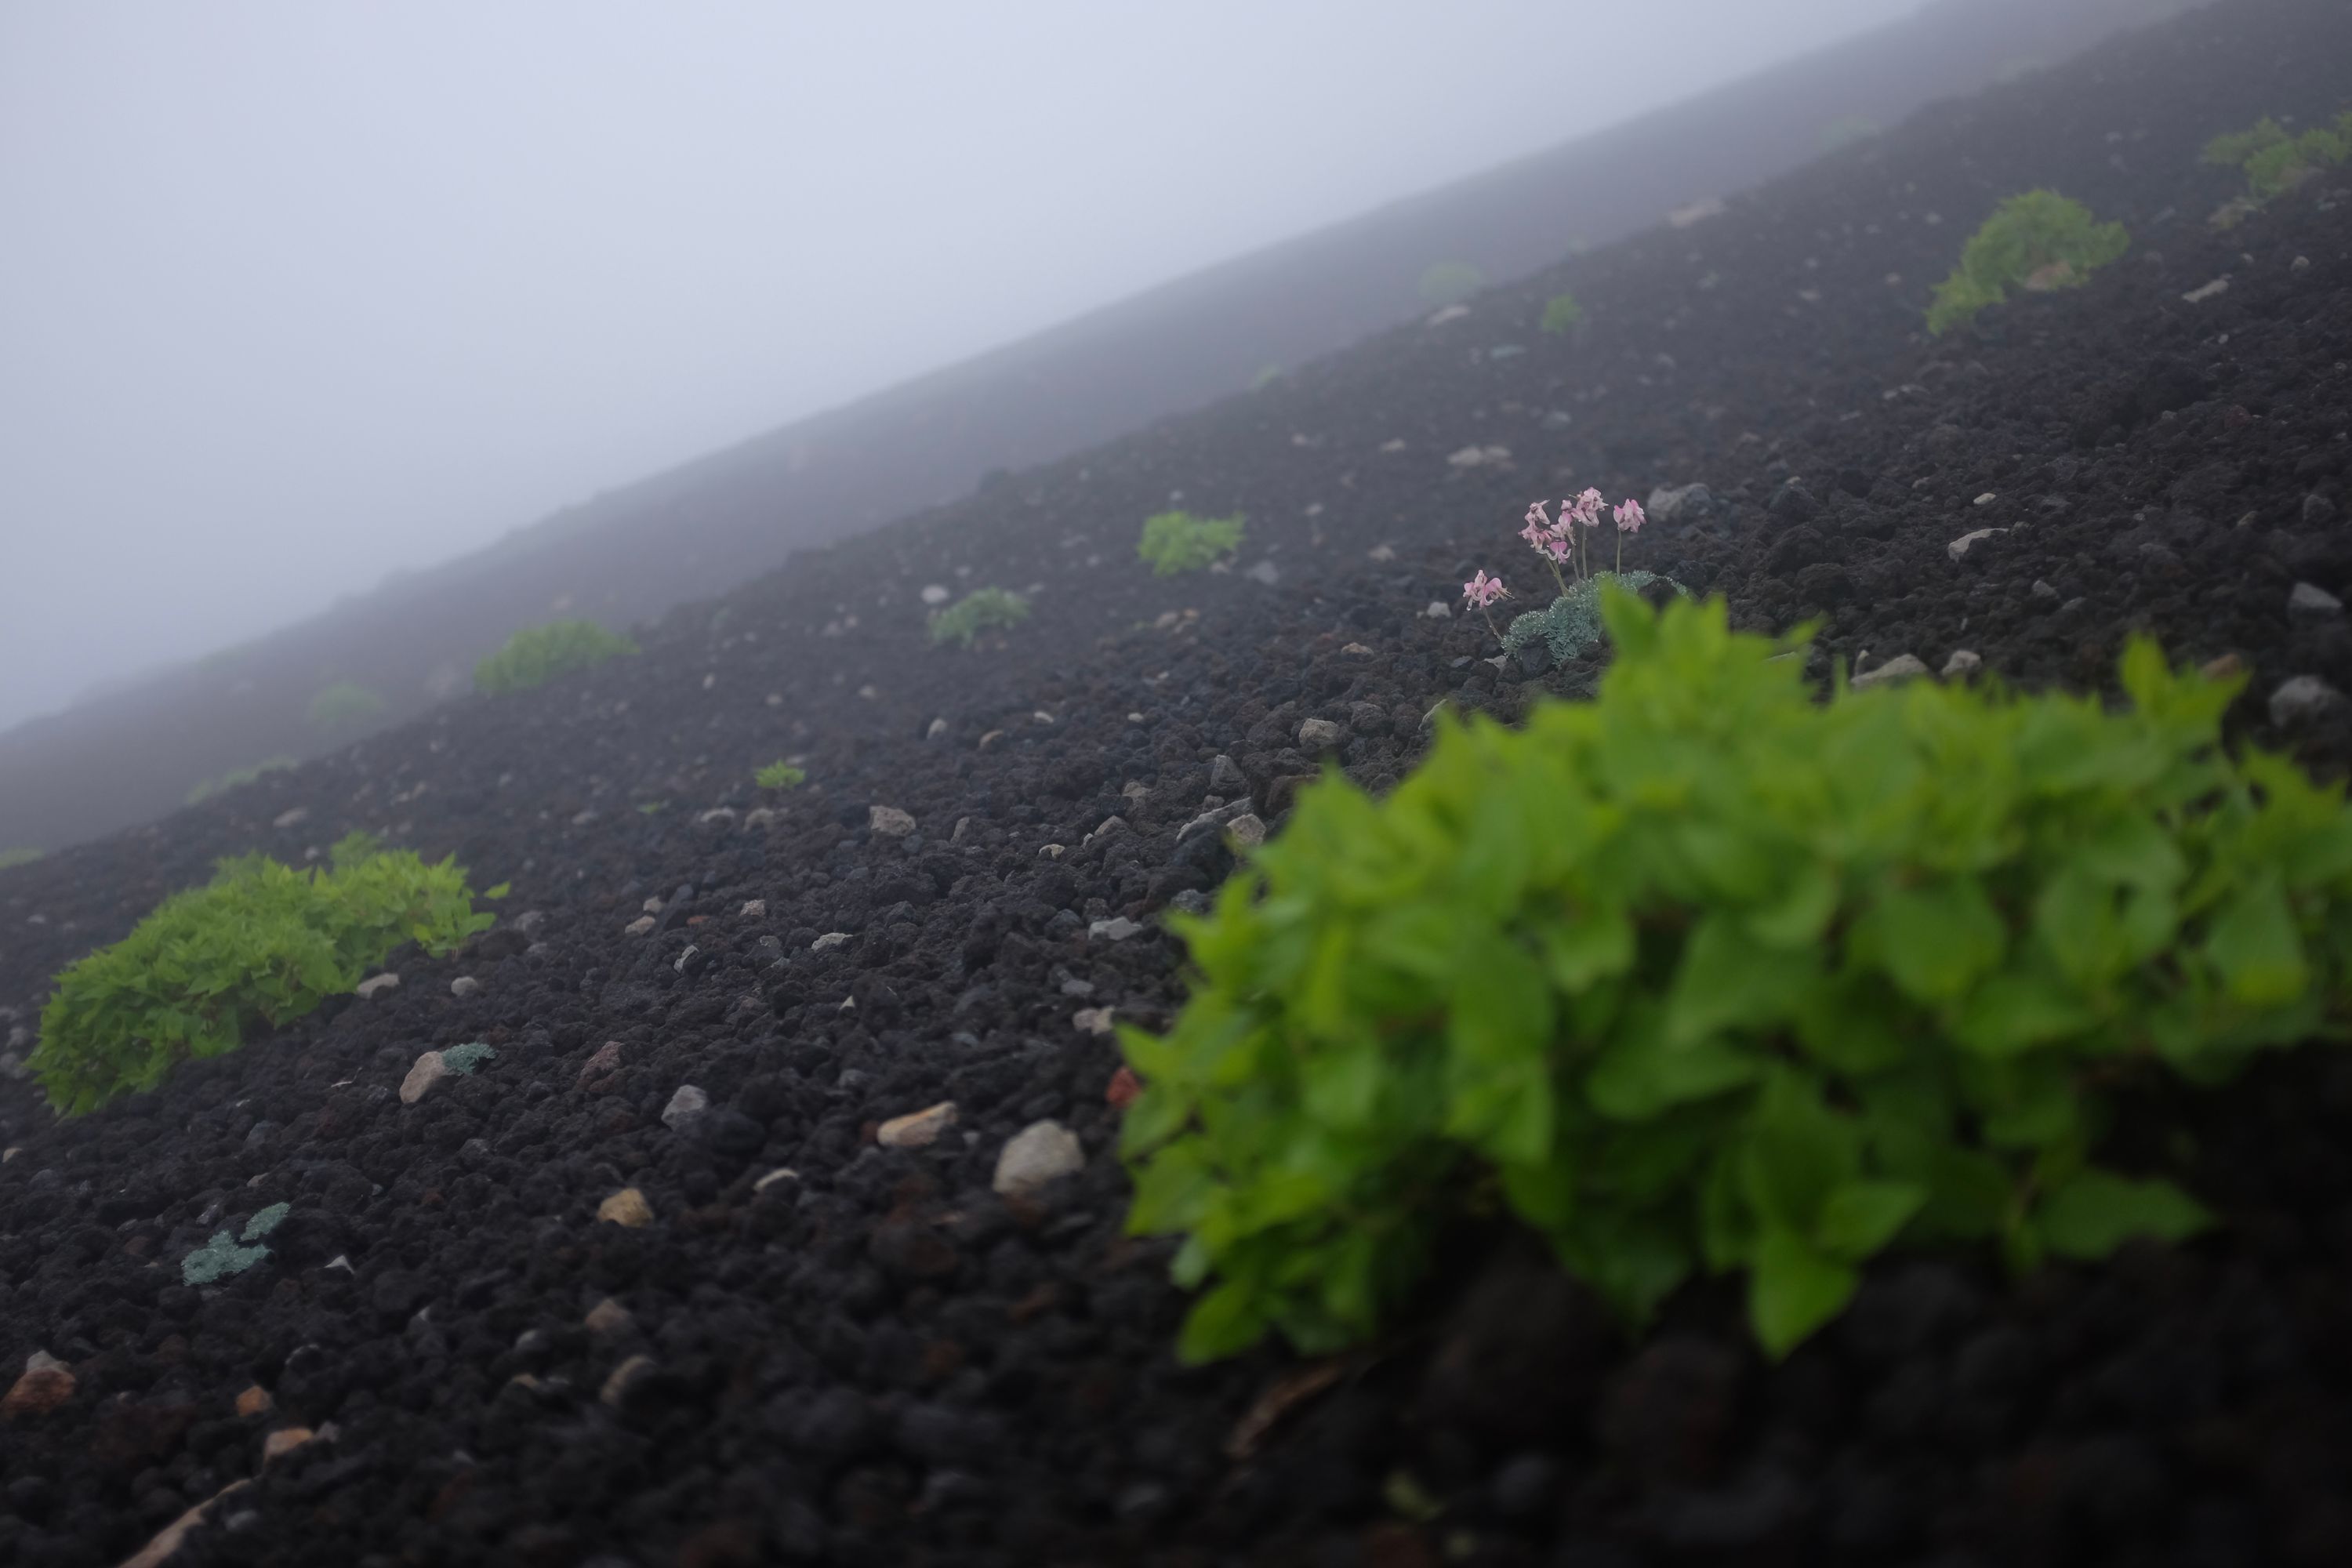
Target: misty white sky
[[295, 294]]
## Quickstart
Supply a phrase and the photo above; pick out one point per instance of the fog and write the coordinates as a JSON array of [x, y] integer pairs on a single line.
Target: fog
[[293, 296]]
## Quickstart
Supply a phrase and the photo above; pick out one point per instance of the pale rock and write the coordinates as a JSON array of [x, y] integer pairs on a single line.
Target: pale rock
[[2310, 599], [47, 1383], [690, 1101], [168, 1541], [376, 985], [628, 1207], [1963, 663], [607, 1060], [717, 814], [641, 925], [1051, 851], [938, 728], [429, 1070], [775, 1178], [2214, 290], [2301, 697], [1118, 927], [1038, 1153], [1965, 543], [255, 1401], [935, 593], [284, 1441], [608, 1317], [917, 1130], [1092, 1020], [1248, 830], [1319, 734], [651, 906], [889, 821], [465, 985], [1382, 552], [754, 909], [829, 940], [293, 818], [762, 816], [1264, 572], [1902, 666]]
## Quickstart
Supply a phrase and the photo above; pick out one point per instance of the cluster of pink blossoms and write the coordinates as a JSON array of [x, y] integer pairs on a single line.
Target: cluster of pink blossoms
[[1561, 541]]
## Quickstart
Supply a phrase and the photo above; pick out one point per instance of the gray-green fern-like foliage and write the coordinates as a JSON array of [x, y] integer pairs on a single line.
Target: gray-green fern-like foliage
[[1572, 622]]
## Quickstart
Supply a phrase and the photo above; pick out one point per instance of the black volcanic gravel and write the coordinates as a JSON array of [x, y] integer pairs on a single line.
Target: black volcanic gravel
[[876, 1360]]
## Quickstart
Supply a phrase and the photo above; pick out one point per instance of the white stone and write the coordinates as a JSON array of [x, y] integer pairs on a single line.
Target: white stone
[[2301, 697], [688, 1101], [1964, 662], [1092, 1020], [829, 940], [1319, 734], [934, 593], [2220, 286], [918, 1129], [1439, 610], [1118, 927], [1902, 666], [429, 1070], [376, 985], [301, 814], [755, 908], [2311, 599], [641, 925], [1038, 1153], [775, 1178], [1960, 546], [1248, 830], [463, 985], [889, 821]]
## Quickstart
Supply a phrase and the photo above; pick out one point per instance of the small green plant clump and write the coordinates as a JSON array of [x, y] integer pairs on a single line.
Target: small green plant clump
[[979, 611], [258, 946], [1707, 974], [1175, 541], [1572, 622], [1562, 314], [220, 1258], [1451, 282], [344, 706], [2037, 241], [207, 788], [780, 775], [537, 654], [17, 857], [2275, 163]]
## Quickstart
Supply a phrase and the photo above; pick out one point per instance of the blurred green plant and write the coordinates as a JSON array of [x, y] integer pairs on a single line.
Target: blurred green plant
[[537, 654], [258, 946], [1177, 541], [208, 788], [2275, 162], [17, 857], [1451, 282], [1708, 975], [780, 775], [1562, 313], [979, 611], [2037, 241], [345, 705]]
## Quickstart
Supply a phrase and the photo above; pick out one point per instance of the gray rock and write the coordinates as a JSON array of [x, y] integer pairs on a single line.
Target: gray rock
[[1902, 666], [376, 985], [2318, 509], [2309, 599], [1118, 927], [918, 1129], [1318, 735], [1264, 572], [465, 985], [428, 1070], [1225, 776], [1439, 610], [686, 1104], [829, 940], [2301, 698], [889, 821], [1679, 504], [2043, 589], [530, 922], [1248, 830], [1038, 1153], [1963, 663], [1966, 541]]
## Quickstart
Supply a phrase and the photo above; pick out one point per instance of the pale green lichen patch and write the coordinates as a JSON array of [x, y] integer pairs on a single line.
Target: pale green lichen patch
[[465, 1059]]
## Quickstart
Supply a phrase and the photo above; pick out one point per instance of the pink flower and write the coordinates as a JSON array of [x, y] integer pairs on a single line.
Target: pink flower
[[1539, 524], [1558, 547], [1482, 590], [1588, 508], [1630, 517]]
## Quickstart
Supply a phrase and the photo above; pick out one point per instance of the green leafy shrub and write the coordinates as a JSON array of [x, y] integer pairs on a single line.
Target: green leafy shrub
[[208, 788], [977, 612], [1562, 314], [537, 654], [1451, 282], [345, 705], [18, 856], [780, 775], [1572, 622], [1176, 542], [2275, 162], [1705, 974], [2038, 241], [258, 946]]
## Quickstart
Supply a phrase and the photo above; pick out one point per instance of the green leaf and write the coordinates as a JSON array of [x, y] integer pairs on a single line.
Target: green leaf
[[1860, 1217], [1793, 1290], [1640, 1076], [1934, 940], [2255, 946], [1226, 1321], [1728, 978], [2097, 1211]]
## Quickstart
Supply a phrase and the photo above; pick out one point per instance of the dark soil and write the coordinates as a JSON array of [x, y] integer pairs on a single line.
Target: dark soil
[[877, 1359]]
